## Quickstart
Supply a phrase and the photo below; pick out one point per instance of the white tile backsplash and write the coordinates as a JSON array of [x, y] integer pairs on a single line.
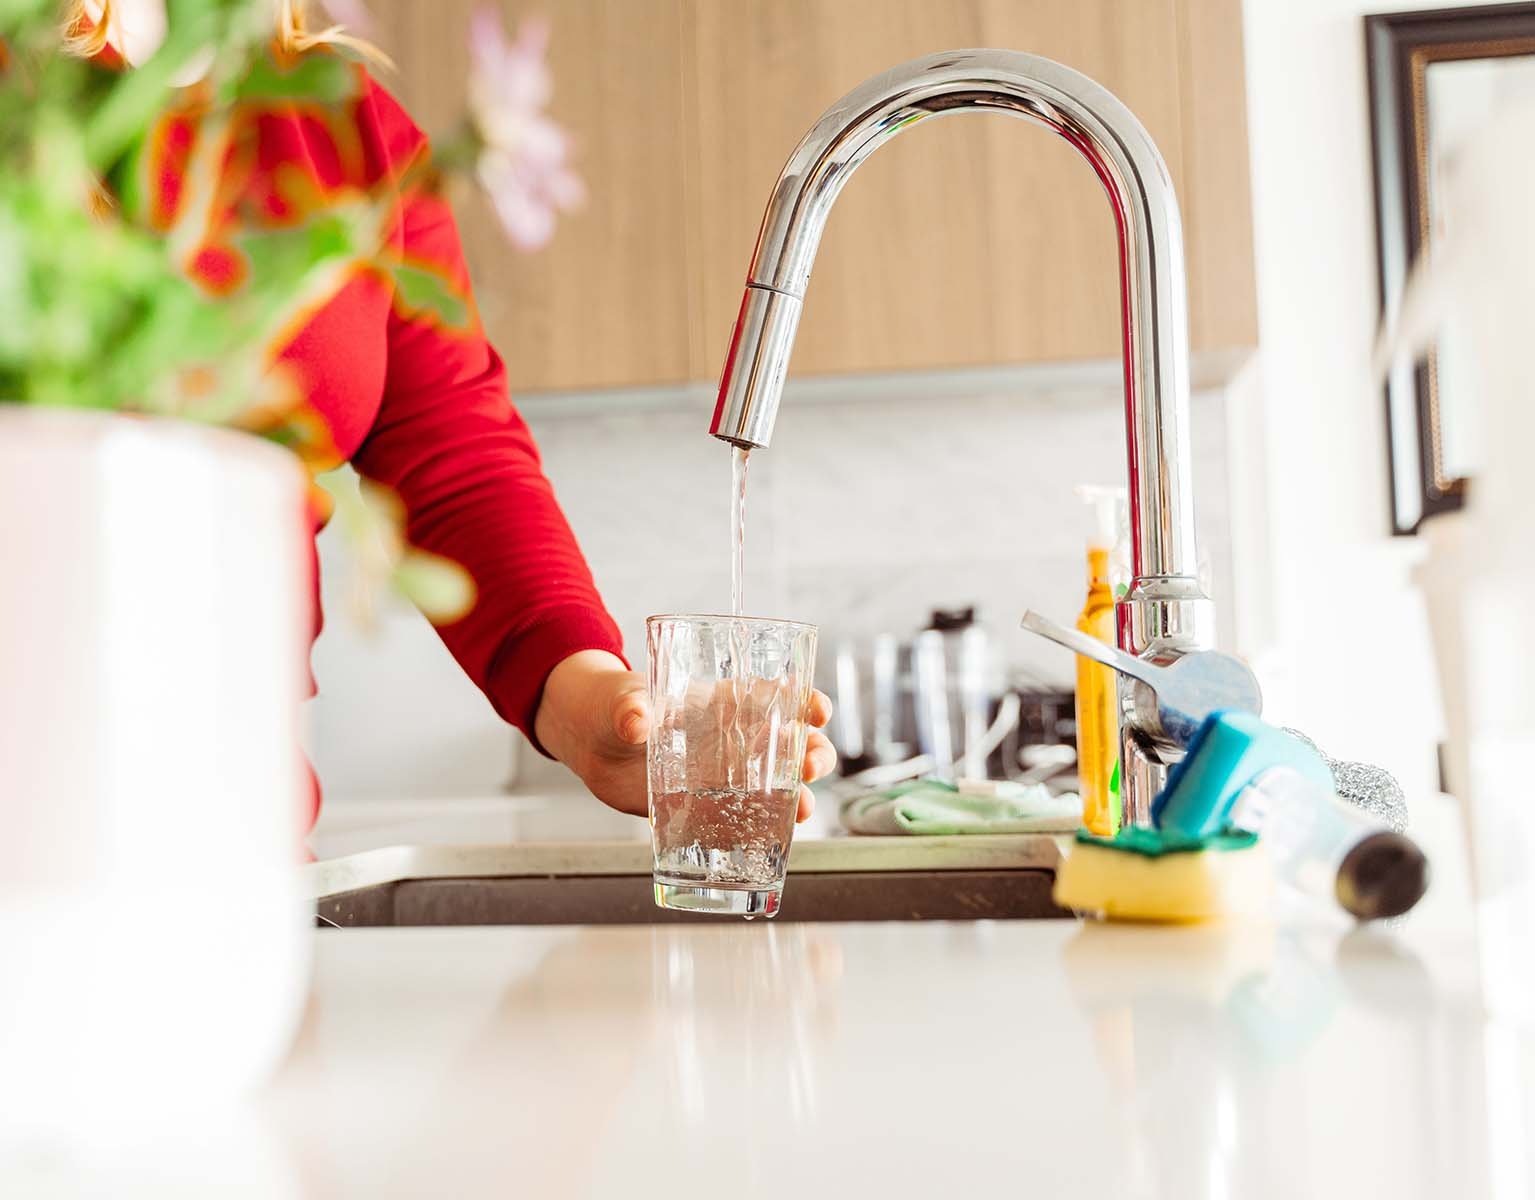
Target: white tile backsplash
[[861, 517]]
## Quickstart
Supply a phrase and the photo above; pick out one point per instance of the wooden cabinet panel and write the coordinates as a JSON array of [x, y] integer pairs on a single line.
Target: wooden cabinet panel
[[607, 302], [1216, 195], [972, 241], [966, 241]]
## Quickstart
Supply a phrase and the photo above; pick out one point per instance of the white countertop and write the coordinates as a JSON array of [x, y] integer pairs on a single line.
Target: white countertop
[[1040, 1058]]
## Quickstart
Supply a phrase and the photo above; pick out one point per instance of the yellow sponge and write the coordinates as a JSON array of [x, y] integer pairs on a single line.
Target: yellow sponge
[[1146, 875]]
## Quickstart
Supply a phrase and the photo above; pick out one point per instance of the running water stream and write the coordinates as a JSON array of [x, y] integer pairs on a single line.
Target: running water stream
[[738, 530], [735, 770]]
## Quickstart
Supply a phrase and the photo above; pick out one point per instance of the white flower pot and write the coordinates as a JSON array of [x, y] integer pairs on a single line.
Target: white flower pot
[[154, 623]]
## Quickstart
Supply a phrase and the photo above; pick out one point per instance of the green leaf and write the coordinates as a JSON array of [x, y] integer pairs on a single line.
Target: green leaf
[[422, 290], [439, 587], [128, 179], [175, 325], [139, 94], [295, 270], [17, 15], [324, 78]]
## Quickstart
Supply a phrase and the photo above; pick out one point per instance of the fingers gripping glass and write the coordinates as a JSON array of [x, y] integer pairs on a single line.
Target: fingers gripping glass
[[728, 698]]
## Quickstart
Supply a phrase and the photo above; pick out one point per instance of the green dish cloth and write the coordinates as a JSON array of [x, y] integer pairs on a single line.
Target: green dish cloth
[[930, 806]]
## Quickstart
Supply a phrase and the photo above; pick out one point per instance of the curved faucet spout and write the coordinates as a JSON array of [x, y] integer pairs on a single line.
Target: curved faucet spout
[[1155, 311]]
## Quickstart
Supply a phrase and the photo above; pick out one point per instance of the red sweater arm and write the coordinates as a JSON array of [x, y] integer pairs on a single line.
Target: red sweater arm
[[448, 441]]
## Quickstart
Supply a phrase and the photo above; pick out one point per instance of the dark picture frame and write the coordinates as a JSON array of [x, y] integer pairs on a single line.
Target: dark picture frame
[[1400, 47]]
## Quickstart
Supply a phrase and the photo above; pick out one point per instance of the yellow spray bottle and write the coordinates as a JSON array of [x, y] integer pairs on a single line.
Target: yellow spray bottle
[[1097, 690]]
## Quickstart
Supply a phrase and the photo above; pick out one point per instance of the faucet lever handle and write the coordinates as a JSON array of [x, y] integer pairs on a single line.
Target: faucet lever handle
[[1090, 647], [1182, 693]]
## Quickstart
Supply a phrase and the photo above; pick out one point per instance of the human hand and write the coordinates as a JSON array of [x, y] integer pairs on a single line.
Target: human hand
[[595, 718]]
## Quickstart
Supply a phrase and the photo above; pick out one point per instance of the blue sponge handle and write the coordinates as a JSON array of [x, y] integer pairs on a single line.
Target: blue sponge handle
[[1228, 751]]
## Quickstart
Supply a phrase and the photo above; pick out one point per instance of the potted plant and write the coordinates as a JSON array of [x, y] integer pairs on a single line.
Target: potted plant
[[157, 509]]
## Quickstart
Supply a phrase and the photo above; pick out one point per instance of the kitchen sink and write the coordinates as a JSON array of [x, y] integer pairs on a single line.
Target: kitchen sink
[[862, 879], [626, 900]]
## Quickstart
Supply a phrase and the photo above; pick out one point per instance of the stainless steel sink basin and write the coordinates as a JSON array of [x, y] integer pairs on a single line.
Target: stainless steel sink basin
[[865, 879]]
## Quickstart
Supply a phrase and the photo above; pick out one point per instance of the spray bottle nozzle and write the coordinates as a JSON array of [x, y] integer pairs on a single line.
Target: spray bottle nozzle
[[1108, 503]]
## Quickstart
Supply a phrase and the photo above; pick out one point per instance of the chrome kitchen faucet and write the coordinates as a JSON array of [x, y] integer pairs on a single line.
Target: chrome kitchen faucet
[[1165, 614]]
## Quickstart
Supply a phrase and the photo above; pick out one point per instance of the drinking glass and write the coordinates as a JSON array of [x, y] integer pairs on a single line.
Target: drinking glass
[[728, 697]]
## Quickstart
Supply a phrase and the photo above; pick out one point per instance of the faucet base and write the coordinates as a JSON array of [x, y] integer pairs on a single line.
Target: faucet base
[[1161, 618], [1141, 776]]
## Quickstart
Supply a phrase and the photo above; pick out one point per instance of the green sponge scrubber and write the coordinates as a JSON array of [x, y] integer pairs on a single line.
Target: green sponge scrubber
[[1152, 875]]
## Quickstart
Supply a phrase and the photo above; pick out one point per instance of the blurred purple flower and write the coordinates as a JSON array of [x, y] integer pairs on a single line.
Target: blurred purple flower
[[523, 154], [351, 15]]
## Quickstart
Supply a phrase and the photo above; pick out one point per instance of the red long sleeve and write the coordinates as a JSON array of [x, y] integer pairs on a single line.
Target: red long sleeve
[[449, 442]]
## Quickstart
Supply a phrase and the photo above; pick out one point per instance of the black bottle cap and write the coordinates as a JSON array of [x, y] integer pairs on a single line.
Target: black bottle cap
[[946, 620], [1383, 875]]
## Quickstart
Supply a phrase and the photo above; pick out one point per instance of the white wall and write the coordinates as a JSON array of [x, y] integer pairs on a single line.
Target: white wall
[[1347, 653]]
